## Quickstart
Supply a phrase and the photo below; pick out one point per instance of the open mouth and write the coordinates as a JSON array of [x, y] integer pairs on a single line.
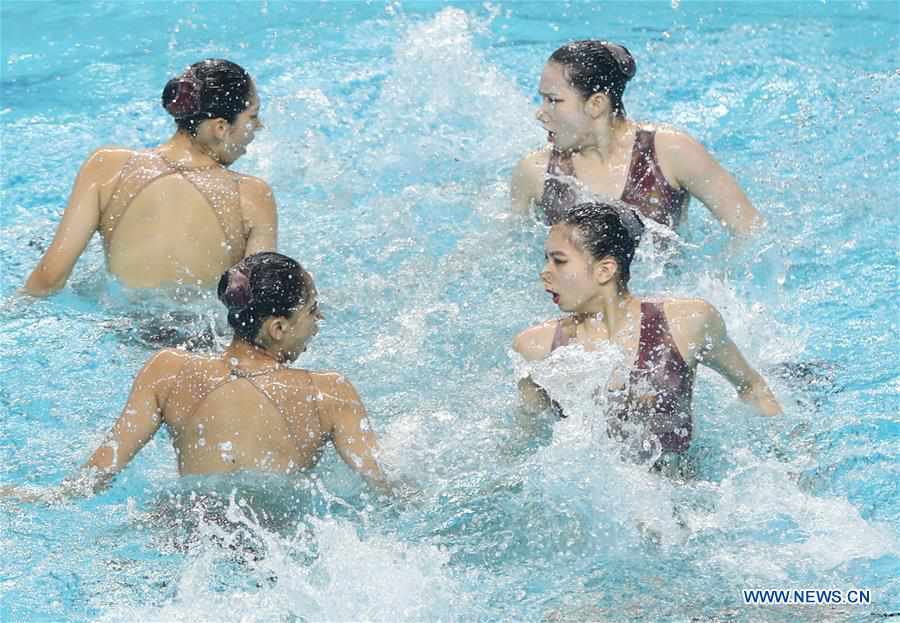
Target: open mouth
[[551, 137], [555, 296]]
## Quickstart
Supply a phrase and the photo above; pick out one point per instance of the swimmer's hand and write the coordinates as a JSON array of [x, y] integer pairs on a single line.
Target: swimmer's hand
[[24, 494], [85, 484], [758, 395], [32, 494]]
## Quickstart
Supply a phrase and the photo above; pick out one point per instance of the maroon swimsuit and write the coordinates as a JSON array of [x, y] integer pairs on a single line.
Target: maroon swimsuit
[[657, 395], [646, 188]]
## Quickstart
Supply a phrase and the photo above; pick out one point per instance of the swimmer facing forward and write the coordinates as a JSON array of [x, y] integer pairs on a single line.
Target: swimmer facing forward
[[173, 215], [243, 409], [588, 260], [594, 147]]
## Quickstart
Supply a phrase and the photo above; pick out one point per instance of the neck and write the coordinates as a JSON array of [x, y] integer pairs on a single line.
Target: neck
[[189, 150], [251, 356], [606, 139], [610, 312]]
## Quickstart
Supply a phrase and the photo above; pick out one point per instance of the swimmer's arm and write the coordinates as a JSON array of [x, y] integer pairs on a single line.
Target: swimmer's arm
[[260, 215], [138, 423], [698, 172], [720, 353], [533, 344], [79, 222], [527, 183], [534, 398], [352, 433]]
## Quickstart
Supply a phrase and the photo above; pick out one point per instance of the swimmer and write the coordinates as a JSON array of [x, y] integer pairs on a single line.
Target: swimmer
[[244, 409], [589, 253], [594, 147], [173, 215]]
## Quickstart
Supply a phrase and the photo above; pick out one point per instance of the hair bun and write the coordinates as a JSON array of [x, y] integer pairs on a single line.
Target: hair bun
[[185, 101], [237, 294]]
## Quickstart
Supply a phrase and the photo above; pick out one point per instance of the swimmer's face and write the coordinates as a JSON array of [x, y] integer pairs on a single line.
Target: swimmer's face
[[302, 326], [568, 274], [242, 132], [562, 111]]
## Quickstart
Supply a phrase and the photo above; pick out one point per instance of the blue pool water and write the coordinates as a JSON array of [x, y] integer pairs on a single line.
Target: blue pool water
[[391, 132]]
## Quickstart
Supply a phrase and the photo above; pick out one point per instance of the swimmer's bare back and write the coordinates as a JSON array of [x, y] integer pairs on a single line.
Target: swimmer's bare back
[[224, 418], [167, 218]]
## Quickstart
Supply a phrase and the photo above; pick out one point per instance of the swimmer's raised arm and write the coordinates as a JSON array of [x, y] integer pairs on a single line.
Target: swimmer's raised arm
[[79, 222], [719, 353], [140, 419], [352, 434], [533, 344], [702, 176], [260, 214], [527, 182]]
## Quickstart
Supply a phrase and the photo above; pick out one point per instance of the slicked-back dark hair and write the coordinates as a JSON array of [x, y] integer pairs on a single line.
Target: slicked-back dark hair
[[602, 232], [260, 286], [593, 66], [207, 90]]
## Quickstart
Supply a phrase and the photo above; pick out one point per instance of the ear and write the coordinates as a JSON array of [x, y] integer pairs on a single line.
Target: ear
[[597, 105], [219, 127], [274, 327], [605, 270]]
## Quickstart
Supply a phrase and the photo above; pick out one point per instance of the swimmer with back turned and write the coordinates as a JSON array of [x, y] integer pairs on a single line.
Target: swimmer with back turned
[[173, 215], [243, 409]]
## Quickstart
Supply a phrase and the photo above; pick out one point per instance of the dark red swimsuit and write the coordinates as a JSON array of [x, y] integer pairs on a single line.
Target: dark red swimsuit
[[657, 395], [646, 188]]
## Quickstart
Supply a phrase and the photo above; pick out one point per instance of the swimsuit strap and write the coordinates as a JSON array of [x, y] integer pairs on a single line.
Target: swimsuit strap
[[235, 374], [136, 174], [656, 342], [144, 168], [643, 155], [647, 188], [249, 377], [560, 163], [313, 391], [653, 330], [240, 373], [218, 196], [177, 166]]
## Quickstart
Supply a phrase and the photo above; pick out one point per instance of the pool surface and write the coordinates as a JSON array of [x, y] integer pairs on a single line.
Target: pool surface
[[391, 131]]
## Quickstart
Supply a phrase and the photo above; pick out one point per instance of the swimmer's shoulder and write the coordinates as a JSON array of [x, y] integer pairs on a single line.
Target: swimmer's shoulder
[[535, 342], [256, 195], [329, 384], [106, 162], [678, 154], [162, 369], [172, 360], [674, 144], [252, 185], [527, 182], [691, 319], [535, 162], [688, 308]]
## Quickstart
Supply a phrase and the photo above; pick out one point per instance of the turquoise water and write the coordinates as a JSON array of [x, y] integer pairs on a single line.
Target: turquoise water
[[391, 132]]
